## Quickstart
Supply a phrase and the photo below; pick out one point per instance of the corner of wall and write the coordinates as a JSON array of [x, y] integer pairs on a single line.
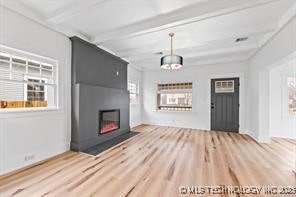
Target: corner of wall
[[274, 50], [259, 139], [263, 139]]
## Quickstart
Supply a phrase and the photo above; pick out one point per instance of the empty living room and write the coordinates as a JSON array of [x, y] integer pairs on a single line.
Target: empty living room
[[147, 98]]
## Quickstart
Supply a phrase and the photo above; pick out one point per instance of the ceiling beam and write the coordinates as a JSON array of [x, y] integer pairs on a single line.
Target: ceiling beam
[[220, 36], [186, 15], [37, 17], [216, 50], [154, 65], [70, 10], [223, 51]]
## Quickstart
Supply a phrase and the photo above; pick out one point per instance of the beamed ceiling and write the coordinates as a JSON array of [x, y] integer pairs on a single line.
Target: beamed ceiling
[[137, 30]]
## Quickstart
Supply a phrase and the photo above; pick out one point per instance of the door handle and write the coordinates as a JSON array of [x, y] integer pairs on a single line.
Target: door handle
[[212, 105]]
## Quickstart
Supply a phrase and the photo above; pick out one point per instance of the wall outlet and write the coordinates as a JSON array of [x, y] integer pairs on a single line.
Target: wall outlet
[[29, 157]]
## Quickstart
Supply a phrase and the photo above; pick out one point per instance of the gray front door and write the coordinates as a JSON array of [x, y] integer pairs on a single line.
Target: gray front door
[[225, 104]]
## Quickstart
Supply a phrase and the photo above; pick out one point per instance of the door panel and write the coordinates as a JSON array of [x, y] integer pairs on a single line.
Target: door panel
[[225, 104]]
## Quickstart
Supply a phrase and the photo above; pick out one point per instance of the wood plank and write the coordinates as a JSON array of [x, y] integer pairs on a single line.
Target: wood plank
[[157, 162]]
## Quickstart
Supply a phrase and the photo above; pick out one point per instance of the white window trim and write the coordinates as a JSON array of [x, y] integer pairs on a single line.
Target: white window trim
[[285, 96], [285, 114], [225, 89], [174, 91], [45, 60], [26, 87], [137, 92]]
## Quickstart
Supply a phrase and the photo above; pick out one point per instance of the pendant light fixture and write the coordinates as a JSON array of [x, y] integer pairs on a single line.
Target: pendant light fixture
[[171, 62]]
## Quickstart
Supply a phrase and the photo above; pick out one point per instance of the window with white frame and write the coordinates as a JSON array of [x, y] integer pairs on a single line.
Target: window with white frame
[[174, 96], [291, 83], [224, 86], [133, 88], [27, 81], [35, 90]]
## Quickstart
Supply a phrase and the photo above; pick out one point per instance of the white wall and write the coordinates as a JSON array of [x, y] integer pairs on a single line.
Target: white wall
[[199, 118], [281, 46], [282, 124], [135, 109], [41, 134]]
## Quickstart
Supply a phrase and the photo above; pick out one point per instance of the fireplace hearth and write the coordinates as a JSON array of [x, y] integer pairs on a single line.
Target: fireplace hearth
[[109, 120]]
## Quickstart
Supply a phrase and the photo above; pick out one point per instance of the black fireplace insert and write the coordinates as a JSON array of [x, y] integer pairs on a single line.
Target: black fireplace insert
[[109, 120]]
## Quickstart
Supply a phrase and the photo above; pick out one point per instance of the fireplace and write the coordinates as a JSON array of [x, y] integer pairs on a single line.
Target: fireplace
[[109, 120]]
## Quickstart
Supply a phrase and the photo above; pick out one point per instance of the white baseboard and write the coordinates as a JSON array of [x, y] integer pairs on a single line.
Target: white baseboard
[[285, 136], [176, 125], [264, 139], [250, 133]]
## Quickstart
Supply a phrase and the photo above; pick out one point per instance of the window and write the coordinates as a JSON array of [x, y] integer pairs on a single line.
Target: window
[[133, 89], [26, 81], [291, 82], [174, 97], [224, 86], [35, 90]]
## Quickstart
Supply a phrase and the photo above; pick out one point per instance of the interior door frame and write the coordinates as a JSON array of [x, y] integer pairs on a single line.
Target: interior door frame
[[242, 112]]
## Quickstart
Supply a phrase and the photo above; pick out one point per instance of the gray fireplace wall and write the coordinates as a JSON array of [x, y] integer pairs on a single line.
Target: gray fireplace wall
[[99, 82]]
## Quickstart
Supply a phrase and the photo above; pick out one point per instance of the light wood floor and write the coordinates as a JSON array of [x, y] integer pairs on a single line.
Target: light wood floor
[[156, 162]]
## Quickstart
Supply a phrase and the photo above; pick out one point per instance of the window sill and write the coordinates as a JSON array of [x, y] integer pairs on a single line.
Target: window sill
[[173, 111], [28, 109]]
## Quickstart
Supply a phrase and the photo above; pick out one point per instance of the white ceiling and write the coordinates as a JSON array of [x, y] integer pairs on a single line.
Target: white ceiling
[[137, 30]]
